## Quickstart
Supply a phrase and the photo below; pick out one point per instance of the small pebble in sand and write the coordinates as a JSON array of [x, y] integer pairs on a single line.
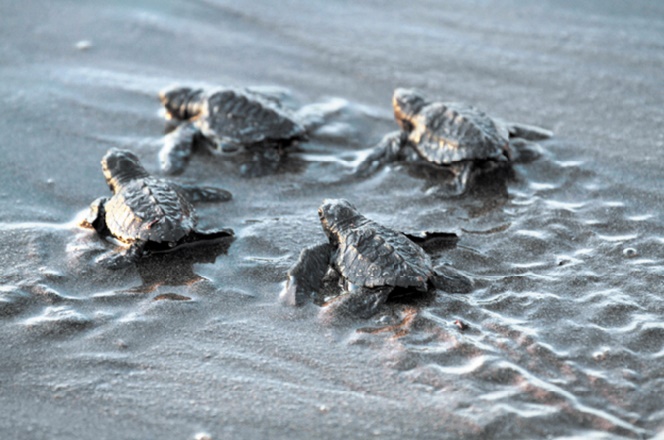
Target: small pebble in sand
[[84, 45], [601, 355], [202, 436], [563, 261], [630, 252], [462, 325]]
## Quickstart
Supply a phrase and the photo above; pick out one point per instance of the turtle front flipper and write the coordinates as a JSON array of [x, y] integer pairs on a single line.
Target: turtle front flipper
[[304, 278], [451, 281], [433, 240], [204, 194], [115, 261], [178, 146], [388, 150], [527, 132], [96, 215], [361, 302]]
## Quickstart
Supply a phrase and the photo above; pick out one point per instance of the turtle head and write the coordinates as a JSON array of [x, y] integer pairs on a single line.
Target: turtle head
[[120, 167], [407, 103], [335, 214], [181, 103]]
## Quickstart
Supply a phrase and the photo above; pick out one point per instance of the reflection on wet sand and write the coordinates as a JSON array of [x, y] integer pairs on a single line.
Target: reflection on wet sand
[[563, 333], [176, 268]]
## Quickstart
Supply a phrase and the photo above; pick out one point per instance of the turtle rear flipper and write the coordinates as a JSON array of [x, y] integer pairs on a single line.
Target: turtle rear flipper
[[178, 146], [204, 194], [304, 278], [524, 151], [210, 234], [527, 132], [115, 261], [451, 281], [315, 116]]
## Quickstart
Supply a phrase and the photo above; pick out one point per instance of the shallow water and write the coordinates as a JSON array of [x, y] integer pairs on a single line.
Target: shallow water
[[565, 332]]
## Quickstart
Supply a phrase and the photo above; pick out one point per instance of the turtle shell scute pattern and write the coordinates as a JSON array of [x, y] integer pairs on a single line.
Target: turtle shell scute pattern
[[246, 118], [450, 132], [371, 255], [149, 209]]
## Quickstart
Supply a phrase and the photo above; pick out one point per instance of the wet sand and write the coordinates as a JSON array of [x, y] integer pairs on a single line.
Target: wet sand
[[565, 330]]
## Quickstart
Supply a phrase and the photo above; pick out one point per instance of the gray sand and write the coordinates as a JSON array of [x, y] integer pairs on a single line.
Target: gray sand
[[566, 336]]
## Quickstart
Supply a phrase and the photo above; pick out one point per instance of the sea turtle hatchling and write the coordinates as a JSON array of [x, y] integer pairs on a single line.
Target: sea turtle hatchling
[[147, 213], [451, 134], [370, 261], [228, 118]]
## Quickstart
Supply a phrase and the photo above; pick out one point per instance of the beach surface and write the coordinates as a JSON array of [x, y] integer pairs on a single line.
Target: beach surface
[[565, 334]]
